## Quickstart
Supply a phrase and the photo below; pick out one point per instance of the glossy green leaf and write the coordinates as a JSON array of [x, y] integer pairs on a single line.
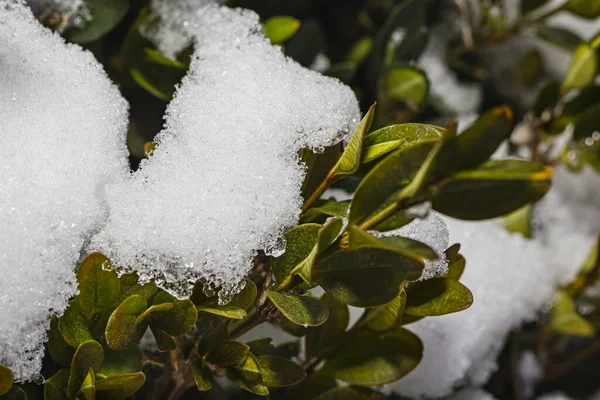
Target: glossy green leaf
[[359, 238], [98, 284], [519, 221], [565, 320], [175, 321], [387, 316], [343, 274], [55, 387], [300, 242], [281, 28], [6, 379], [89, 355], [104, 16], [227, 310], [582, 69], [437, 297], [301, 310], [405, 84], [202, 376], [249, 368], [279, 371], [120, 362], [59, 349], [119, 387], [253, 387], [589, 9], [88, 387], [370, 358], [559, 37], [330, 332], [122, 330], [496, 188], [227, 354]]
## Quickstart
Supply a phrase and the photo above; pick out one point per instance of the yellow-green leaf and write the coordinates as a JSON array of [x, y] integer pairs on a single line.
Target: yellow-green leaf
[[281, 28], [301, 310]]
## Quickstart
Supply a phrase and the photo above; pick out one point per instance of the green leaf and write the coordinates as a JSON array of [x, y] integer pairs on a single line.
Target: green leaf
[[301, 310], [202, 376], [320, 213], [587, 122], [456, 262], [226, 354], [519, 221], [405, 84], [300, 242], [74, 326], [119, 387], [529, 68], [179, 319], [279, 371], [370, 359], [249, 368], [98, 285], [582, 69], [281, 28], [227, 310], [546, 98], [55, 386], [89, 355], [559, 37], [257, 388], [130, 286], [395, 135], [119, 362], [437, 297], [6, 379], [360, 50], [164, 341], [104, 16], [565, 320], [59, 349], [343, 274], [346, 393], [496, 188], [261, 346], [589, 9], [159, 58], [388, 316], [530, 5], [122, 329], [585, 99], [14, 393], [145, 83], [330, 332], [88, 387]]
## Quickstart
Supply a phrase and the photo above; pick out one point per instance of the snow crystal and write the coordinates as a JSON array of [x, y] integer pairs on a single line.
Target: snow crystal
[[62, 127], [170, 30], [225, 178], [502, 268], [432, 231]]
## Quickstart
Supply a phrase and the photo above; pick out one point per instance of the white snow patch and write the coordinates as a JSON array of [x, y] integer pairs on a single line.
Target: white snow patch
[[225, 178], [511, 279], [62, 128]]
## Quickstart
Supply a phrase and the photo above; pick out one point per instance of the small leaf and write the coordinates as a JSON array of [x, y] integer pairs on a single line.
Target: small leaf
[[279, 371], [88, 387], [346, 393], [104, 16], [519, 221], [227, 354], [236, 308], [388, 316], [119, 387], [249, 368], [329, 333], [497, 188], [179, 319], [257, 388], [587, 122], [565, 320], [261, 346], [122, 331], [73, 326], [344, 273], [456, 262], [559, 37], [547, 98], [120, 362], [405, 84], [55, 387], [6, 379], [320, 213], [89, 355], [582, 69], [281, 28], [371, 359], [227, 311], [164, 341], [59, 349], [589, 9], [98, 286], [360, 50], [202, 376], [159, 58], [437, 297], [300, 242], [145, 83], [301, 310]]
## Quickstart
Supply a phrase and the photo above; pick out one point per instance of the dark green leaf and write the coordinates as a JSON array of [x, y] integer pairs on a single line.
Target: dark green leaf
[[331, 331], [587, 122], [119, 362], [370, 359], [59, 349], [14, 393], [202, 376], [530, 5], [6, 379], [98, 285], [301, 310], [261, 346], [176, 321], [88, 355], [529, 68], [279, 371], [559, 37], [546, 98], [227, 354], [589, 9], [119, 387], [359, 238], [163, 340], [585, 99], [122, 330], [437, 297], [329, 208], [104, 16], [257, 388], [346, 393], [388, 316], [280, 28], [312, 386], [456, 262], [236, 308], [55, 387], [73, 326], [497, 188]]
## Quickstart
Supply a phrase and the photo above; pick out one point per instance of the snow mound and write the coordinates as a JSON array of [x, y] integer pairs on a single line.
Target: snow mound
[[62, 127], [225, 178]]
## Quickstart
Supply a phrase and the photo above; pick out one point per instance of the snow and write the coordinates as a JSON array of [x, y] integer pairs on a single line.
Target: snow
[[62, 127], [225, 178], [472, 394], [511, 279], [171, 22]]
